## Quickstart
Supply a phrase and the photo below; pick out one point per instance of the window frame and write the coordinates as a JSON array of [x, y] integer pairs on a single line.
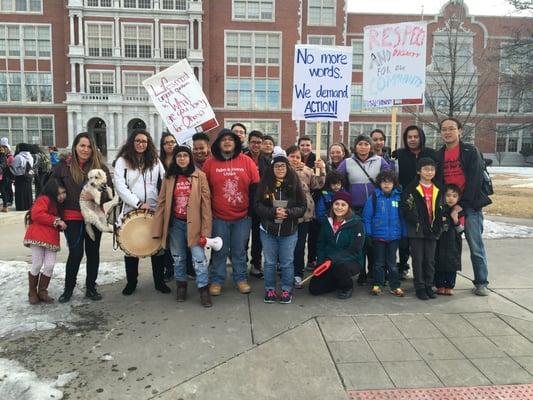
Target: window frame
[[124, 25], [100, 48], [27, 11], [321, 37], [247, 18], [162, 41], [250, 124], [321, 7], [88, 73], [138, 73], [24, 137]]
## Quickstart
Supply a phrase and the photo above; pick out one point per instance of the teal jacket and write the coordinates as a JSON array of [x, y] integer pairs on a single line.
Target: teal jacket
[[345, 246]]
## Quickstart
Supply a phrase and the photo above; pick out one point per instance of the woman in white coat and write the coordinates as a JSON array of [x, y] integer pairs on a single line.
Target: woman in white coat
[[138, 173]]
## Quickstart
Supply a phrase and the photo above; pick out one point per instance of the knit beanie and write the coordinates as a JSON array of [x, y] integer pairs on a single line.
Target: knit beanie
[[362, 138], [344, 196]]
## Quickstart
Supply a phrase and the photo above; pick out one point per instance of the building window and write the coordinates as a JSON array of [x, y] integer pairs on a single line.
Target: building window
[[513, 138], [357, 98], [100, 40], [322, 40], [321, 12], [26, 86], [252, 48], [453, 52], [21, 6], [253, 93], [28, 129], [464, 99], [138, 41], [137, 3], [310, 130], [255, 10], [357, 54], [99, 3], [175, 41], [514, 98], [360, 128], [101, 82], [174, 4], [133, 87], [34, 40], [269, 127]]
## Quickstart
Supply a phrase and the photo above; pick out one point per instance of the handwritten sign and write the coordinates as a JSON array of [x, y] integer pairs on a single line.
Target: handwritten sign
[[394, 64], [179, 99], [322, 83]]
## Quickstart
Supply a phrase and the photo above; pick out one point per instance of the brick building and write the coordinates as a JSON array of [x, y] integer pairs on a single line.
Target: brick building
[[74, 65]]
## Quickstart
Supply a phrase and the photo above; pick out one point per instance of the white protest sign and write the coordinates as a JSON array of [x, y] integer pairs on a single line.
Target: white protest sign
[[394, 64], [179, 99], [322, 83]]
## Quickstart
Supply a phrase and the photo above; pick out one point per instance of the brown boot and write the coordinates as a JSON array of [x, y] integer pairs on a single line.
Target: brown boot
[[181, 292], [43, 289], [4, 209], [205, 297], [32, 295]]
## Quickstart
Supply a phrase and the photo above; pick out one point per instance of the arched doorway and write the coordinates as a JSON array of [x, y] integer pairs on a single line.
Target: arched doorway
[[98, 128], [134, 124]]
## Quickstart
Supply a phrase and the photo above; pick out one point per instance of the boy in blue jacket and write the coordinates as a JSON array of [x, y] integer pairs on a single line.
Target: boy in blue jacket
[[385, 226]]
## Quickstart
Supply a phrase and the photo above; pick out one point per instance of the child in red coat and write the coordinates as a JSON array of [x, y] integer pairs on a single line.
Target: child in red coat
[[42, 237]]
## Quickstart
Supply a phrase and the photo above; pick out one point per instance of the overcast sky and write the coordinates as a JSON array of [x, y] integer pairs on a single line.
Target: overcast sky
[[475, 7]]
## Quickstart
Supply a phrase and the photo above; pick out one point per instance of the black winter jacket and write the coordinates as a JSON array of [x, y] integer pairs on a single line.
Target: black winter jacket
[[472, 164], [449, 246]]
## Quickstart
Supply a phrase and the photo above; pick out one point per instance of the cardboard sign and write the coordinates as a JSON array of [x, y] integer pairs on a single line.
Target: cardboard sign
[[394, 64], [322, 83], [179, 99]]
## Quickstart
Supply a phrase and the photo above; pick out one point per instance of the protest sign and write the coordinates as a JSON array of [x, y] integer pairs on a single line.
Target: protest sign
[[179, 99], [322, 83], [394, 64]]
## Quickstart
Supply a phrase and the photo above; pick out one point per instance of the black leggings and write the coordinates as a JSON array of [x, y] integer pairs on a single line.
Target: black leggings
[[77, 237], [337, 277]]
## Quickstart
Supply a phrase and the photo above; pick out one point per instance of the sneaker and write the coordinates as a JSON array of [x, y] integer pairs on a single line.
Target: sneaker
[[481, 291], [310, 266], [270, 296], [298, 282], [344, 294], [398, 292], [256, 272], [430, 292], [286, 297], [376, 290], [448, 292], [441, 291]]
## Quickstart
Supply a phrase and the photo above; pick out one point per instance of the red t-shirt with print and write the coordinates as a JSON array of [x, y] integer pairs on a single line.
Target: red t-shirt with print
[[453, 171], [182, 191], [428, 198]]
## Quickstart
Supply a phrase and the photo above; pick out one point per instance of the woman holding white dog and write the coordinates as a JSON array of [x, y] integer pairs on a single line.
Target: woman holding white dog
[[72, 174], [184, 215], [137, 173]]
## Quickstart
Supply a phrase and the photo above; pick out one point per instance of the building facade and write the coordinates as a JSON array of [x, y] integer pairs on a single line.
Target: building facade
[[78, 65]]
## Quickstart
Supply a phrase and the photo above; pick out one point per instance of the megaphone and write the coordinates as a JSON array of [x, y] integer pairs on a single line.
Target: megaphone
[[213, 243]]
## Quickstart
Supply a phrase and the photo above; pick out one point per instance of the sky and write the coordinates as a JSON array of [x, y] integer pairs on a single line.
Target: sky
[[475, 7]]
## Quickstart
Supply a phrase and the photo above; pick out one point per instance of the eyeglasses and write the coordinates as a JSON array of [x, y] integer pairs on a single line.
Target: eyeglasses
[[139, 141], [256, 142], [170, 142], [451, 129], [280, 166]]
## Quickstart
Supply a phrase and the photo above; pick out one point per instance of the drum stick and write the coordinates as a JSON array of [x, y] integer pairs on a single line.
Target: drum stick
[[319, 270]]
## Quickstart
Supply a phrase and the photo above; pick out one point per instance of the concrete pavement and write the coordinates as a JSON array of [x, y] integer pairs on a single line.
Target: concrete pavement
[[148, 346]]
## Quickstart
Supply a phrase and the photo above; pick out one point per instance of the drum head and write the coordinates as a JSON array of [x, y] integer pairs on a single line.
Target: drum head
[[134, 236]]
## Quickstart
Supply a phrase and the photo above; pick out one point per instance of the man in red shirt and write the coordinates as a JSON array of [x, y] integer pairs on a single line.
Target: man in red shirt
[[461, 163], [232, 176]]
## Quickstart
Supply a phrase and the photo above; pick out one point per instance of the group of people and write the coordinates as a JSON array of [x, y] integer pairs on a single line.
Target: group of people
[[354, 213], [22, 171]]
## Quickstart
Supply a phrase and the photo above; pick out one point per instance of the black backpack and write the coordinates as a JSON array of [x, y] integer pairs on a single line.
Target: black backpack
[[486, 186]]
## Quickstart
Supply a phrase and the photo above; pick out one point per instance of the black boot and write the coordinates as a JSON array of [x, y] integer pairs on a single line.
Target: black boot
[[132, 271], [422, 294], [430, 292], [92, 294], [65, 297], [159, 274]]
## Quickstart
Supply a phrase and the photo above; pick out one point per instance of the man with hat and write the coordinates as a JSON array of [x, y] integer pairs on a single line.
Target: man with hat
[[232, 176]]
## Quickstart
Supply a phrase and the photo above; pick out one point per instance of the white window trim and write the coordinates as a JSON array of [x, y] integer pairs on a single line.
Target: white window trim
[[122, 44], [24, 12], [519, 143], [247, 123], [352, 42], [471, 67], [23, 88], [273, 19], [87, 23], [21, 42], [321, 6], [86, 4], [375, 126], [322, 36], [87, 82], [187, 47], [136, 8], [25, 124], [174, 9], [123, 79]]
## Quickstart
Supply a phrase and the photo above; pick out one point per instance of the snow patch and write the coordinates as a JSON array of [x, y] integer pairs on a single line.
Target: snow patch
[[501, 230], [19, 316], [17, 383], [64, 379]]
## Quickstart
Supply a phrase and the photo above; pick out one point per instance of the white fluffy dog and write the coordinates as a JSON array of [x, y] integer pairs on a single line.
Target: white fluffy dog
[[92, 211]]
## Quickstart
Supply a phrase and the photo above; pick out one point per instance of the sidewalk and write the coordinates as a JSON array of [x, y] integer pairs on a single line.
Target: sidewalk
[[147, 346]]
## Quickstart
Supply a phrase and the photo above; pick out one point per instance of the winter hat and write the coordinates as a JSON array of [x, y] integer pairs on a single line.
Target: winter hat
[[185, 149], [5, 142], [344, 196], [362, 138], [278, 152]]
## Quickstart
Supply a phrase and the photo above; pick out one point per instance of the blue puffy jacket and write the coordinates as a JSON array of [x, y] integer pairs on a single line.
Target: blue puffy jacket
[[384, 222]]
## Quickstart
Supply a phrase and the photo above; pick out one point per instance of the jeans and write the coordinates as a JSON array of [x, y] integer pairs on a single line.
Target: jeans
[[478, 256], [178, 248], [282, 248], [299, 250], [234, 235], [76, 239], [385, 260]]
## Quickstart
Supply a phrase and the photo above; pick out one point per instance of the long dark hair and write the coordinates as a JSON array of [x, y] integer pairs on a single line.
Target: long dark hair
[[174, 170], [291, 185], [95, 162], [50, 190], [162, 153], [148, 159]]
